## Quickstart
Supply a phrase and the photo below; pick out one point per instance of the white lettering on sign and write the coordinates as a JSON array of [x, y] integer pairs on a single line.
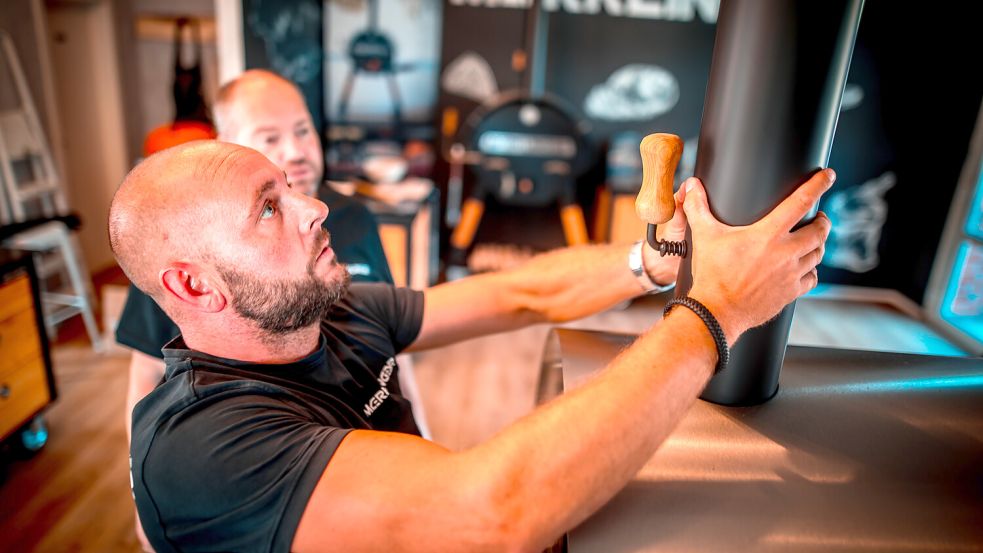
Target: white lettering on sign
[[668, 10]]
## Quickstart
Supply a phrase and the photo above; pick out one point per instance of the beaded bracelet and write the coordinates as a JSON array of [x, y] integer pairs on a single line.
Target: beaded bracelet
[[723, 352]]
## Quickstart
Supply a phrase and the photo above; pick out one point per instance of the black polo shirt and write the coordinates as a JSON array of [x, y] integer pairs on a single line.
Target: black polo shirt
[[225, 454]]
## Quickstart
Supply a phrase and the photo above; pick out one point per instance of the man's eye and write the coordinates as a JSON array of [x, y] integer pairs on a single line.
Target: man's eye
[[271, 140], [268, 211], [302, 131]]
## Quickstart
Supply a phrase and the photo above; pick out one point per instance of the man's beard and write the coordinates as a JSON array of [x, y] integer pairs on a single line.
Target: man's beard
[[283, 306]]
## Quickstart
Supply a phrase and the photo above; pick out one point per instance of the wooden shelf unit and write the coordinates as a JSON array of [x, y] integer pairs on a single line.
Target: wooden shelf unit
[[27, 384]]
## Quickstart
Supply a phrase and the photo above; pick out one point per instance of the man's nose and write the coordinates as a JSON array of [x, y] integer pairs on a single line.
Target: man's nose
[[312, 212], [292, 150]]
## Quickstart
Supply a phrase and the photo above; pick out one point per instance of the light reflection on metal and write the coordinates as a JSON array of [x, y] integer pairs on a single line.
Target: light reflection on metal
[[892, 543], [717, 448], [913, 384], [963, 303], [858, 451]]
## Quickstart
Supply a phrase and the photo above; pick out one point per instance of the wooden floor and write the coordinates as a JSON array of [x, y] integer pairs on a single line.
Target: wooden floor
[[74, 494]]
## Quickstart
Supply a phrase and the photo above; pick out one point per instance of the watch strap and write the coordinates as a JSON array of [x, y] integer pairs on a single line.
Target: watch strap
[[637, 265]]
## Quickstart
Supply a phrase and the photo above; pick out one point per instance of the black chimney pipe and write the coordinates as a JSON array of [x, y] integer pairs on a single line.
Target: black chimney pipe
[[776, 81]]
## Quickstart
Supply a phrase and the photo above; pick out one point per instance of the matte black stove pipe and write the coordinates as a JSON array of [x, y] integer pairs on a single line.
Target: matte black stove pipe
[[776, 81]]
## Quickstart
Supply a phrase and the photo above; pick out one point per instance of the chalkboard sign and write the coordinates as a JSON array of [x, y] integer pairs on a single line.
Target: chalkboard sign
[[286, 36]]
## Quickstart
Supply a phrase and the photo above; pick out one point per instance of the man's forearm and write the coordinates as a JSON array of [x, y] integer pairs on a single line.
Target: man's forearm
[[576, 282], [563, 462], [553, 287]]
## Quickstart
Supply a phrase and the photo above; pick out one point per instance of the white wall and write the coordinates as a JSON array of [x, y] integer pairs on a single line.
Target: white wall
[[84, 61], [414, 28]]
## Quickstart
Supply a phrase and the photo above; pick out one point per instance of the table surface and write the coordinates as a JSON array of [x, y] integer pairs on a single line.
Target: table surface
[[858, 451]]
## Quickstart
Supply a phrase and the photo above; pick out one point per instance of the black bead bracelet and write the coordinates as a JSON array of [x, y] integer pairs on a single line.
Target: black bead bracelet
[[723, 352]]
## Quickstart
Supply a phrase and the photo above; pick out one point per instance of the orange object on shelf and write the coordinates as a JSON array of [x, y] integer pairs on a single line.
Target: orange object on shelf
[[172, 134]]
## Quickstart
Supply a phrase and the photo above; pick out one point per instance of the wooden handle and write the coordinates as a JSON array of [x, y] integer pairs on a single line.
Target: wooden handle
[[660, 155]]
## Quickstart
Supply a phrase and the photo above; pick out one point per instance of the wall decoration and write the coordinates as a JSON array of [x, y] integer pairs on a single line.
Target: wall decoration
[[858, 215], [469, 76], [635, 92]]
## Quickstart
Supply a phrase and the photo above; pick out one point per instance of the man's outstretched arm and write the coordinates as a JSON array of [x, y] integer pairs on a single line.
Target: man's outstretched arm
[[546, 473]]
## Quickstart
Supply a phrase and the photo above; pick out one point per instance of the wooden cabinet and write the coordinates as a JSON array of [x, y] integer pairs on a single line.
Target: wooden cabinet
[[26, 381]]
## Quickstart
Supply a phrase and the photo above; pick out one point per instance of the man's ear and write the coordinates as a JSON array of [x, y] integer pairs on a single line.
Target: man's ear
[[193, 288]]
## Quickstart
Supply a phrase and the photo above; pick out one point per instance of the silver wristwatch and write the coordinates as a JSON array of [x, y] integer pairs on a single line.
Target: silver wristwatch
[[637, 266]]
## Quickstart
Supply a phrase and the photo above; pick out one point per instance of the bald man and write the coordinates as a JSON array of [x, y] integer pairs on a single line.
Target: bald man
[[266, 112], [279, 425]]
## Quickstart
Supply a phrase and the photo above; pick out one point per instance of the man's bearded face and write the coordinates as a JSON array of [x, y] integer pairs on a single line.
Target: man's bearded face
[[283, 305]]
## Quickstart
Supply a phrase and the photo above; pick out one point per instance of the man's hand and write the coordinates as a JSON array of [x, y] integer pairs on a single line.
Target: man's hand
[[746, 275], [663, 269]]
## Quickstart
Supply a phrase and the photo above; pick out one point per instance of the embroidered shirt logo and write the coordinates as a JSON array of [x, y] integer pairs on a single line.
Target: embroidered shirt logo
[[384, 376]]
